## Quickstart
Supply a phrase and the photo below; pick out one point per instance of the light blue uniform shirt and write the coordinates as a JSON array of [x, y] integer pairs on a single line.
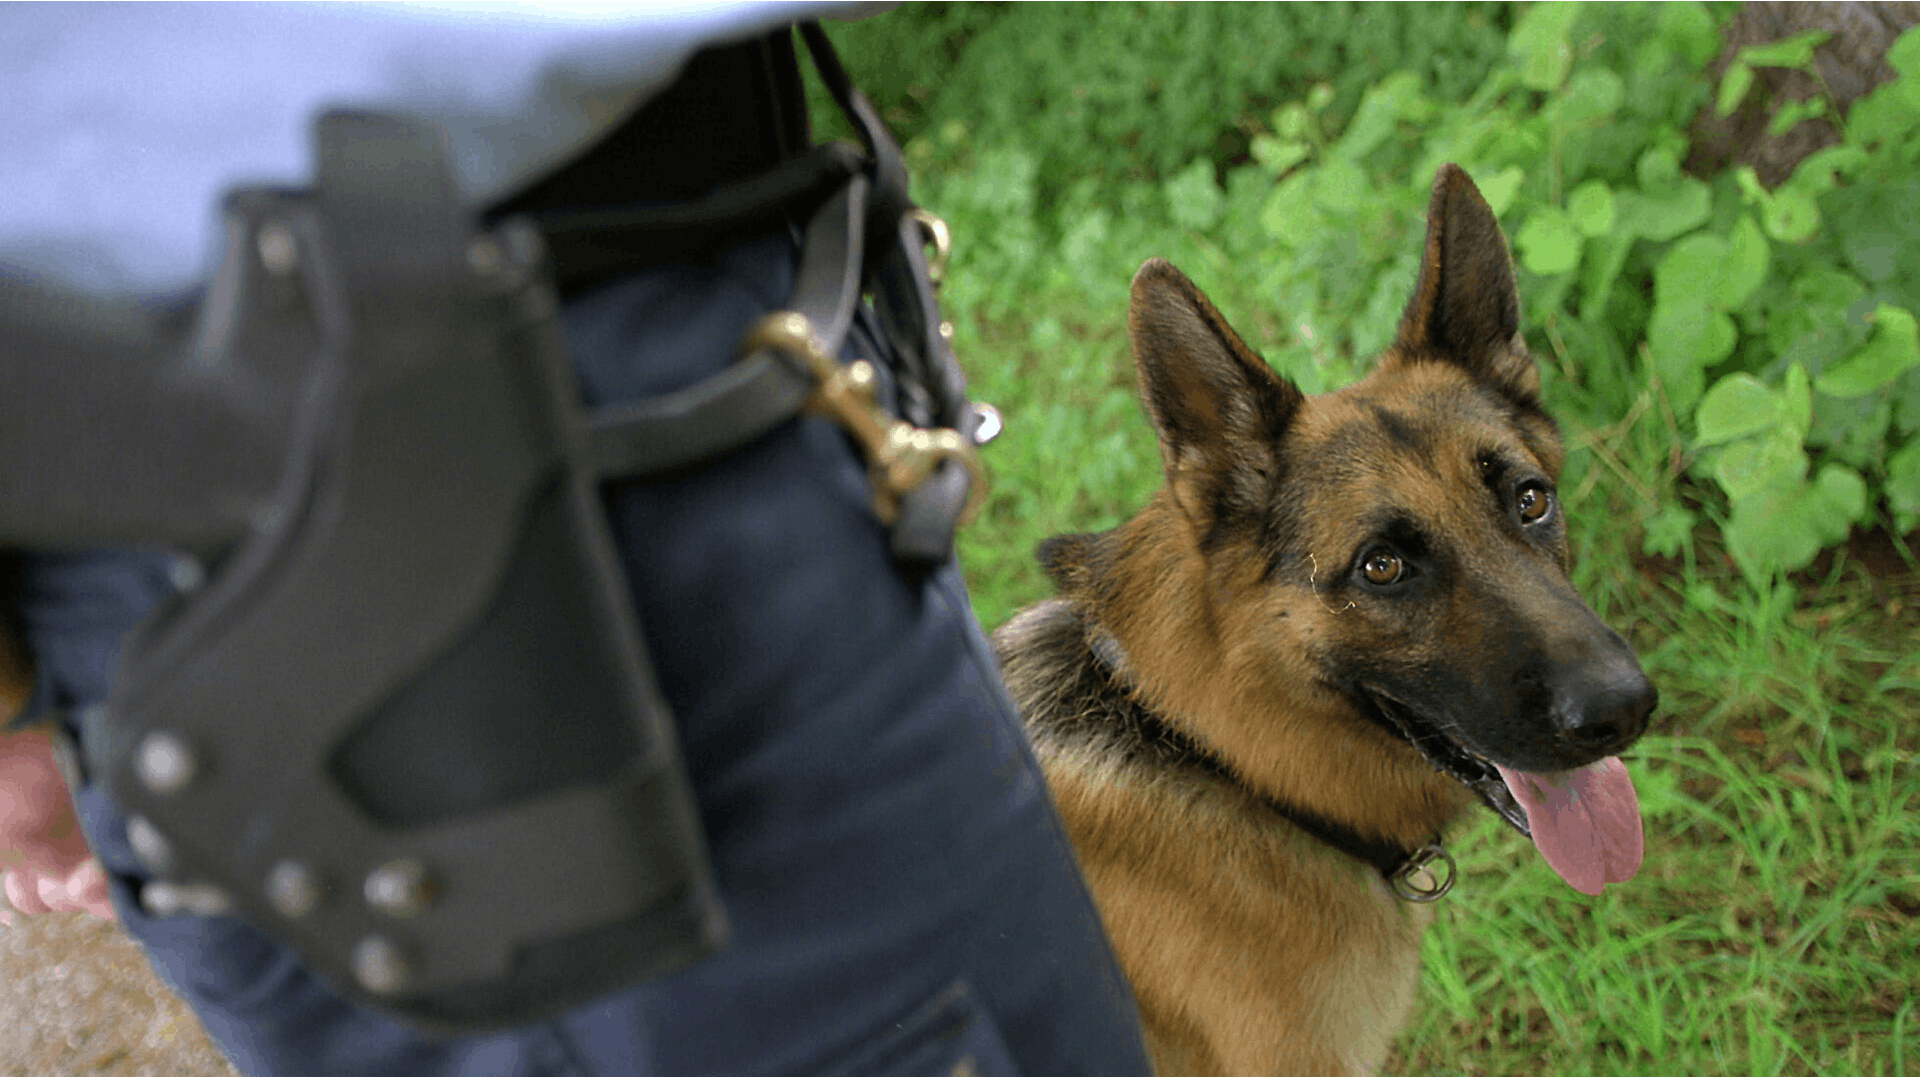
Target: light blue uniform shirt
[[121, 125]]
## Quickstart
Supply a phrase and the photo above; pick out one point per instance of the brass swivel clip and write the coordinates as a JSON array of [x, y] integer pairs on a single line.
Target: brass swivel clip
[[900, 456]]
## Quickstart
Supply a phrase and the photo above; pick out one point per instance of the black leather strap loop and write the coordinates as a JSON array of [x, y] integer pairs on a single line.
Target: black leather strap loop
[[889, 171], [727, 411]]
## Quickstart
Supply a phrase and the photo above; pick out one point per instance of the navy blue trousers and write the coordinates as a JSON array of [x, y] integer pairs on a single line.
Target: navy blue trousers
[[901, 895]]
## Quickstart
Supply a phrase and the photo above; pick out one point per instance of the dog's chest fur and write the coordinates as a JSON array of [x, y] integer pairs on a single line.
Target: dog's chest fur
[[1253, 947]]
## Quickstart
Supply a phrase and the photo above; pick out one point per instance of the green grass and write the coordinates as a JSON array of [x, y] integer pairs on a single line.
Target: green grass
[[1775, 926]]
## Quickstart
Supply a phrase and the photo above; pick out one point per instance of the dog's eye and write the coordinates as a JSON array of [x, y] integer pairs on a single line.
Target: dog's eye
[[1383, 567], [1533, 504]]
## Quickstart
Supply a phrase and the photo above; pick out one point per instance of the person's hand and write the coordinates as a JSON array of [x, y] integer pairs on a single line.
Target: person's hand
[[50, 867]]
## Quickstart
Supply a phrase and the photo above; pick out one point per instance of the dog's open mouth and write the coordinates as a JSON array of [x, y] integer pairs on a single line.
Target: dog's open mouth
[[1449, 756], [1585, 821]]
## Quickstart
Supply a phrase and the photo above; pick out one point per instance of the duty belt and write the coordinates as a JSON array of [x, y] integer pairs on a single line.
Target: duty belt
[[369, 438]]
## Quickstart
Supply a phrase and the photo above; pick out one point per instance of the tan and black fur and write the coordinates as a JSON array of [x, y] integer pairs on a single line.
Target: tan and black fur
[[1322, 584]]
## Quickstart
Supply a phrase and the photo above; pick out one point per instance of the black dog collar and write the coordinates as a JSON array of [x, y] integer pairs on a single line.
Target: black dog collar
[[1418, 875]]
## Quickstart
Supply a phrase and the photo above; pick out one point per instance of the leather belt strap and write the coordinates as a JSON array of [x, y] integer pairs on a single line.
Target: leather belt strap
[[597, 244], [864, 234], [728, 410], [933, 390]]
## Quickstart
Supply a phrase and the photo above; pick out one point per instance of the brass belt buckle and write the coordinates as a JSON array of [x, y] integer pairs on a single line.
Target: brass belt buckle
[[899, 455]]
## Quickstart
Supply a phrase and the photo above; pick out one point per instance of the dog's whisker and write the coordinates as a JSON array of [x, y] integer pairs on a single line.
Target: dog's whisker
[[1313, 571]]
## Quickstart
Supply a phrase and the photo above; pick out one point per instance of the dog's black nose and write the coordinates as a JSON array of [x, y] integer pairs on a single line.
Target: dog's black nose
[[1605, 707]]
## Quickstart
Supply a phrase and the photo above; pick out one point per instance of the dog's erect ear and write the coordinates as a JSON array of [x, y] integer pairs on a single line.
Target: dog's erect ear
[[1465, 308], [1218, 409]]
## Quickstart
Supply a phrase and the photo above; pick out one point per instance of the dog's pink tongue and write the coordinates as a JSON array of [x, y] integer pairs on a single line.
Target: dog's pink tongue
[[1586, 822]]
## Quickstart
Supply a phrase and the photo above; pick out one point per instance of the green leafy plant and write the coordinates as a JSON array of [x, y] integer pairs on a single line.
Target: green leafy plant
[[1812, 431], [1646, 286], [1780, 330]]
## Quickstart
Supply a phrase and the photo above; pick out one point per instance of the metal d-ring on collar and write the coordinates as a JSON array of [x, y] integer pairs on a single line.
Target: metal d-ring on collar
[[1417, 881]]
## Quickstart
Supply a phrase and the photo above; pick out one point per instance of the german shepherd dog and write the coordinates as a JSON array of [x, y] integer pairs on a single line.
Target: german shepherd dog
[[1342, 622]]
